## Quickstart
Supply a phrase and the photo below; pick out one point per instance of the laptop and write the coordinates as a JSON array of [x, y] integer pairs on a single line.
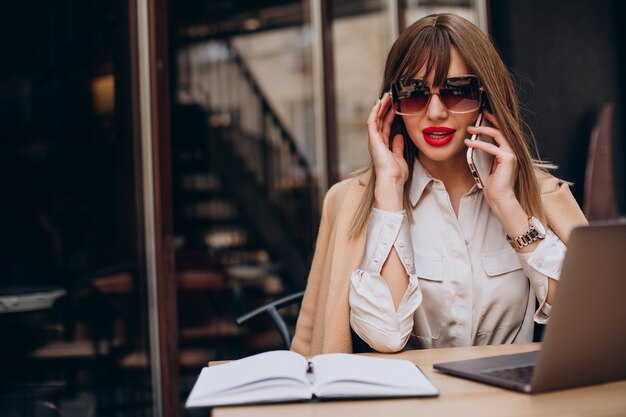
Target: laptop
[[585, 340]]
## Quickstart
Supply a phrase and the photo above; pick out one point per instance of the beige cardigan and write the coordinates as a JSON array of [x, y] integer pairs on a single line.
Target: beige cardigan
[[323, 324]]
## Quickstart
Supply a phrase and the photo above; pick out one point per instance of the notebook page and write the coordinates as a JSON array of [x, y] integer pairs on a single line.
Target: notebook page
[[340, 374], [281, 368], [263, 392]]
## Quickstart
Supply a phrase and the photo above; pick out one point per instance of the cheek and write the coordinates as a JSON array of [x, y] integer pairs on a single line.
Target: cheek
[[464, 123], [463, 131], [413, 126], [469, 119]]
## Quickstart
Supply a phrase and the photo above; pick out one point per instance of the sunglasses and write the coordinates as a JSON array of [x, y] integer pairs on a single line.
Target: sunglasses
[[462, 94]]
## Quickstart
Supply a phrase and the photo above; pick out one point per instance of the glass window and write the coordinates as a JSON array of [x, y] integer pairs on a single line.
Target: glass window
[[244, 171], [361, 39], [469, 9], [72, 275]]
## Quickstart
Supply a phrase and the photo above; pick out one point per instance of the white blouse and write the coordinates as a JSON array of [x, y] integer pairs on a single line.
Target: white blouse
[[467, 286]]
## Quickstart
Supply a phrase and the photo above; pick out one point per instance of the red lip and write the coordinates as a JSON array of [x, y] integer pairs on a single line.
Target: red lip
[[438, 140]]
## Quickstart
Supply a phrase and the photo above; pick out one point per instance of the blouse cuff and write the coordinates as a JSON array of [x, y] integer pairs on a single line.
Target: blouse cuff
[[547, 258], [543, 263]]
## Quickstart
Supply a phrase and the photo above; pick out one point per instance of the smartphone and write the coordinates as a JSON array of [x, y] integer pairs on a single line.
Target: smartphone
[[480, 162]]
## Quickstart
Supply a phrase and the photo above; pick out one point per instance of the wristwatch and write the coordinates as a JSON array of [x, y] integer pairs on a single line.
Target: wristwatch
[[535, 231]]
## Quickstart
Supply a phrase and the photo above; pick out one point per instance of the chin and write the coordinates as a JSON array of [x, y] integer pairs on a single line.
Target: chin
[[444, 153]]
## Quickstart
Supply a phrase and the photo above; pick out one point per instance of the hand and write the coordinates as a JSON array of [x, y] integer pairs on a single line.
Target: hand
[[500, 188], [392, 171]]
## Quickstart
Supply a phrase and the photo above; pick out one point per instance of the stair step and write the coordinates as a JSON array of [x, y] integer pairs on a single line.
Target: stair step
[[214, 209], [212, 330], [225, 237], [234, 256], [201, 279], [187, 259], [188, 358], [190, 155], [264, 276], [200, 182], [252, 272]]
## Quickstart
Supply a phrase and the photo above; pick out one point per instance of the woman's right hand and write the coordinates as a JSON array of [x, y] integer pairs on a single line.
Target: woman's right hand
[[392, 171]]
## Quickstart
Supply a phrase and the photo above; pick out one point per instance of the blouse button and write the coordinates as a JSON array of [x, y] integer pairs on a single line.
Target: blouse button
[[401, 243], [467, 243], [540, 262]]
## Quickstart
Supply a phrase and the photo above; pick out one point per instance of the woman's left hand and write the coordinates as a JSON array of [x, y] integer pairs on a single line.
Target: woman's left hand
[[500, 188]]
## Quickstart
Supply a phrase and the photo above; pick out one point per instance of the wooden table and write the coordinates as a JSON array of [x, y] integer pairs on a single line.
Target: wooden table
[[459, 397]]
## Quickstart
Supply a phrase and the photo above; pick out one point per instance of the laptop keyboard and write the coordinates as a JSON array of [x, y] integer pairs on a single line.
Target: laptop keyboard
[[521, 374]]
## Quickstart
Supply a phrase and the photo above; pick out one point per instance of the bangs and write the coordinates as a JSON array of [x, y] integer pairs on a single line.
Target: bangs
[[430, 51]]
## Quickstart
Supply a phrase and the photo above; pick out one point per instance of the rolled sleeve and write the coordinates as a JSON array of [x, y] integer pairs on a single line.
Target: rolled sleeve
[[544, 262], [372, 314]]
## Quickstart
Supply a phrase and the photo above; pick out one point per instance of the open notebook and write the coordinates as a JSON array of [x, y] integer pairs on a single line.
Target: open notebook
[[282, 376]]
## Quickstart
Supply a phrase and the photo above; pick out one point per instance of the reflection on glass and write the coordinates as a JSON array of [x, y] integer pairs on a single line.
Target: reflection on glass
[[361, 39], [468, 9], [72, 297], [244, 172]]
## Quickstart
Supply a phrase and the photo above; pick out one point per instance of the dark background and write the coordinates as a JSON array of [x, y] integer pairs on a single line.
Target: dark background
[[568, 58]]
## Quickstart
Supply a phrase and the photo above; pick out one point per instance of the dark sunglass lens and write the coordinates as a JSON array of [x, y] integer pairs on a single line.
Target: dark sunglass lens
[[412, 96], [461, 94], [416, 102]]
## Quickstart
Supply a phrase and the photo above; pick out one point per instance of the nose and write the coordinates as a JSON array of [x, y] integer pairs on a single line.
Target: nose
[[436, 110]]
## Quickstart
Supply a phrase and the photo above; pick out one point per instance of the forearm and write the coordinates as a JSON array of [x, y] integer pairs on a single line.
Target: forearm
[[552, 284], [543, 269], [388, 196], [395, 276], [514, 220]]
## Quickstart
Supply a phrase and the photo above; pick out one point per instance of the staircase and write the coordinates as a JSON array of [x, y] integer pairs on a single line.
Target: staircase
[[243, 168], [245, 202]]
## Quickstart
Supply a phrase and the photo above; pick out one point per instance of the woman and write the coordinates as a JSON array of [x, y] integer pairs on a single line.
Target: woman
[[411, 253]]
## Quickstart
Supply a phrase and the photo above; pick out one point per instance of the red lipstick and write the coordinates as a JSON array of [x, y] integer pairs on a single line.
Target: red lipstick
[[438, 135]]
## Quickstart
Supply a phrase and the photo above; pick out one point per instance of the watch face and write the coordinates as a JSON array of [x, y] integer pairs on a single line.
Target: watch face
[[538, 226]]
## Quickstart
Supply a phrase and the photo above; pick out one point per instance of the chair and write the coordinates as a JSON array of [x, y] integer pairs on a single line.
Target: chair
[[600, 200], [272, 310]]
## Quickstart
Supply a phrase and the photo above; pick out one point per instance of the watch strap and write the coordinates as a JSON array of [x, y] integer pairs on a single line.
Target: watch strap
[[526, 238]]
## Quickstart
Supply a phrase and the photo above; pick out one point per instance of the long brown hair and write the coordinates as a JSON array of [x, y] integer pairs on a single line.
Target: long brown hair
[[427, 44]]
